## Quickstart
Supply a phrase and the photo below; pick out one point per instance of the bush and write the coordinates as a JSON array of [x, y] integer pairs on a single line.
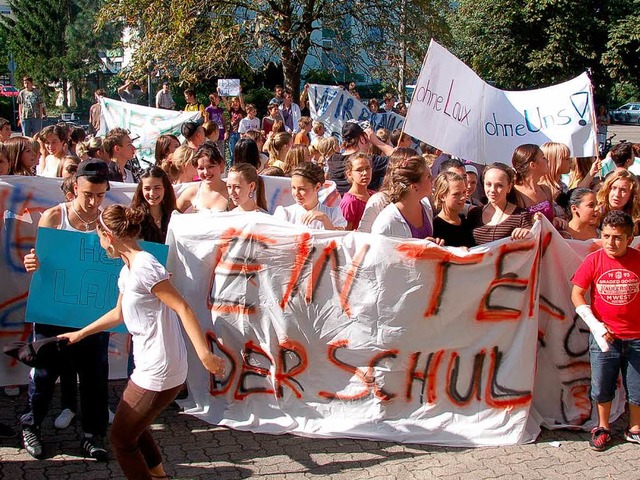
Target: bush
[[260, 98]]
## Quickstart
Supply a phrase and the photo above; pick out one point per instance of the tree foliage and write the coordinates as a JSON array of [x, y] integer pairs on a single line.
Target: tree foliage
[[200, 39], [622, 53], [521, 44], [54, 41]]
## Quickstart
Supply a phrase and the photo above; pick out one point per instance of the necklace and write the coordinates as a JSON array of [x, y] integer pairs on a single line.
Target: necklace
[[84, 222], [497, 224]]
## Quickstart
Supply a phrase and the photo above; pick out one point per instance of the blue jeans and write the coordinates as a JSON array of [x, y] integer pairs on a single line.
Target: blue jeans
[[233, 139], [30, 126], [90, 359], [623, 357]]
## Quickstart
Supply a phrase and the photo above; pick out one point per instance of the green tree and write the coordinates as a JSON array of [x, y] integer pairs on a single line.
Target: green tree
[[622, 53], [54, 41], [535, 43], [199, 39]]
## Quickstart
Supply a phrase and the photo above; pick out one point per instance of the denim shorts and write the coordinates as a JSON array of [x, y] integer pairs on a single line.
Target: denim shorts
[[623, 357]]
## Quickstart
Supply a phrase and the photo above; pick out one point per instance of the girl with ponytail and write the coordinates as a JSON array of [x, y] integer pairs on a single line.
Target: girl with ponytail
[[407, 216], [147, 304]]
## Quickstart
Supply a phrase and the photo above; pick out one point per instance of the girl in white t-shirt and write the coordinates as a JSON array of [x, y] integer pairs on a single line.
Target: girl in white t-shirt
[[147, 304], [306, 181]]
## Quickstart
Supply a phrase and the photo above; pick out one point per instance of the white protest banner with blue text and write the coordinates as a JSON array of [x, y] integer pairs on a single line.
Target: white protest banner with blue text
[[76, 282], [334, 106], [453, 109]]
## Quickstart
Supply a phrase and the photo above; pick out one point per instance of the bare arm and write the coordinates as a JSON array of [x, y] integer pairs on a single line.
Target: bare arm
[[304, 94], [109, 320], [241, 98], [375, 141], [184, 200], [225, 101], [593, 171], [578, 296], [168, 295]]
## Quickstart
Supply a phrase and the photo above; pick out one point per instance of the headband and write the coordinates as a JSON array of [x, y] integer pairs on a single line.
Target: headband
[[104, 225]]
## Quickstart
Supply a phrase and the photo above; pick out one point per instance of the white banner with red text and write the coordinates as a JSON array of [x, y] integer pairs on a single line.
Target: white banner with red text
[[351, 334], [358, 335]]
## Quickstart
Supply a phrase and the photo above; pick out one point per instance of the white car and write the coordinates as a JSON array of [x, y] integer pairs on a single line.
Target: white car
[[627, 113]]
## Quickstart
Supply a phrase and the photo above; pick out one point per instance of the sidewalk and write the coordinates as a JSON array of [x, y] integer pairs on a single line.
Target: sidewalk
[[193, 449]]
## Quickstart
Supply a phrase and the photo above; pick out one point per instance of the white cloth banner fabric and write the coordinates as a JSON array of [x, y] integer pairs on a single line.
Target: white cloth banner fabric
[[353, 334], [22, 201], [453, 109], [334, 106], [146, 124], [358, 335]]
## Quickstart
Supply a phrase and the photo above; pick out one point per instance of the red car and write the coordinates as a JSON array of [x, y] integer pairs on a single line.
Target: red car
[[8, 91]]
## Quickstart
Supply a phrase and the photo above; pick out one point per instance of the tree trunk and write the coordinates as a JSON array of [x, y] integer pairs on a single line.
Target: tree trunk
[[291, 68], [65, 99]]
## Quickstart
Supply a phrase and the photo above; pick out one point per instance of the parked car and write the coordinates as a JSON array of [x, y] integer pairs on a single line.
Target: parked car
[[8, 91], [627, 113]]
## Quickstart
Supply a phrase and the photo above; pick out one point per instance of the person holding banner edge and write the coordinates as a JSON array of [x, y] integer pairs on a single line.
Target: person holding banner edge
[[612, 273], [89, 356], [306, 181], [147, 304], [499, 218]]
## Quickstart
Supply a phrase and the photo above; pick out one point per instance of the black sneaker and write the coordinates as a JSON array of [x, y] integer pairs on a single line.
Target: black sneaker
[[92, 447], [6, 431], [32, 442]]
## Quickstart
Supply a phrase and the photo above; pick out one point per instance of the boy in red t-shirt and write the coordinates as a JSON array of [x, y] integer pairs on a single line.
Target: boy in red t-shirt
[[613, 274]]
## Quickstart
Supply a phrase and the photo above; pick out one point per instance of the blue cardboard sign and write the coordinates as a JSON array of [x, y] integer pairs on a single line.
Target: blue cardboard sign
[[76, 282]]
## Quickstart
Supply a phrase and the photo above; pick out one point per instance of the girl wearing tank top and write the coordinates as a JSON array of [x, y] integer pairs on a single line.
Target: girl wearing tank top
[[209, 195], [154, 196], [531, 166]]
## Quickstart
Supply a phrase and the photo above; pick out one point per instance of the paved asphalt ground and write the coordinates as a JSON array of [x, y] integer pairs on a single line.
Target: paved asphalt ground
[[630, 133], [193, 449]]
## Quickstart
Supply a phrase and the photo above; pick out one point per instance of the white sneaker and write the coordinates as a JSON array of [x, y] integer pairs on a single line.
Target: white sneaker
[[111, 416], [64, 419]]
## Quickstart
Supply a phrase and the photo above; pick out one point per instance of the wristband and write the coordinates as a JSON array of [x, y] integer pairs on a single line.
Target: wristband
[[598, 330]]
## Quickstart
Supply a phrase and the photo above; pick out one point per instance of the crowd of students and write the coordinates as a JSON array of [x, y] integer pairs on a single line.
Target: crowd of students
[[386, 188]]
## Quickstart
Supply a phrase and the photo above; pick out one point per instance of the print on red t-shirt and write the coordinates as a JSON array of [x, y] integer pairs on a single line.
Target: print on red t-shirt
[[618, 287], [614, 284]]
